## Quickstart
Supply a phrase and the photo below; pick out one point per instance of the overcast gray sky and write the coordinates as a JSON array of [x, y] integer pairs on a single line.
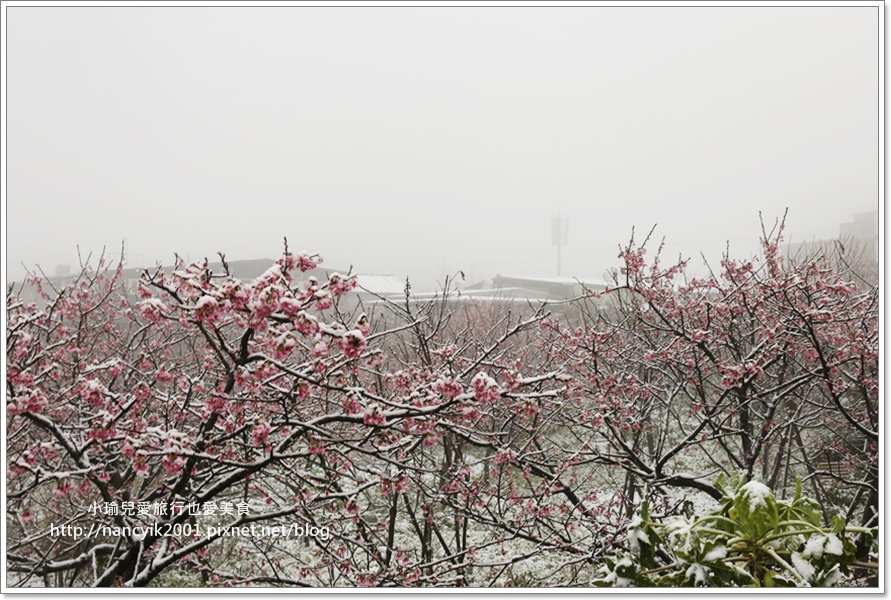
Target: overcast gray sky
[[419, 141]]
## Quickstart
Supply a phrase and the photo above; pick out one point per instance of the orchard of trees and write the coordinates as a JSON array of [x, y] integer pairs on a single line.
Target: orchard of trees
[[672, 430]]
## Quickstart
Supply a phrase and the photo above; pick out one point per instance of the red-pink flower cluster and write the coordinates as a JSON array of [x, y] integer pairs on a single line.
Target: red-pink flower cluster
[[485, 389]]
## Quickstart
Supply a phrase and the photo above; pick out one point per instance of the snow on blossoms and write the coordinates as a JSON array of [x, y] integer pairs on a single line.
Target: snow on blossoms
[[33, 401], [353, 343], [303, 261], [340, 285], [480, 431], [152, 309], [448, 388], [485, 389]]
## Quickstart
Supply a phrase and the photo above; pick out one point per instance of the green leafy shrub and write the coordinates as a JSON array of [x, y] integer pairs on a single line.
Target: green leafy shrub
[[752, 539]]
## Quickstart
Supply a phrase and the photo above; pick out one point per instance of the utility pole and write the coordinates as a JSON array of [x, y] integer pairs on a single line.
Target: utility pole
[[559, 235]]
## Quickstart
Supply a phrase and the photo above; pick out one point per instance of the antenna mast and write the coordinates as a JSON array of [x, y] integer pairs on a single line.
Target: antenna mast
[[559, 235]]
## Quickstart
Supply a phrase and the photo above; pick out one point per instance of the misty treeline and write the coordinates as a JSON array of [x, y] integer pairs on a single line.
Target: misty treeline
[[452, 442]]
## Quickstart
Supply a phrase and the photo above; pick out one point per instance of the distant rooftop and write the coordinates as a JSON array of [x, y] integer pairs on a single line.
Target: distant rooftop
[[538, 288], [383, 285], [248, 270], [558, 279]]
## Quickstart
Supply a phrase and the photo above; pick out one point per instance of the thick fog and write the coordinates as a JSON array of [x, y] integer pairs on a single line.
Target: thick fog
[[421, 141]]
